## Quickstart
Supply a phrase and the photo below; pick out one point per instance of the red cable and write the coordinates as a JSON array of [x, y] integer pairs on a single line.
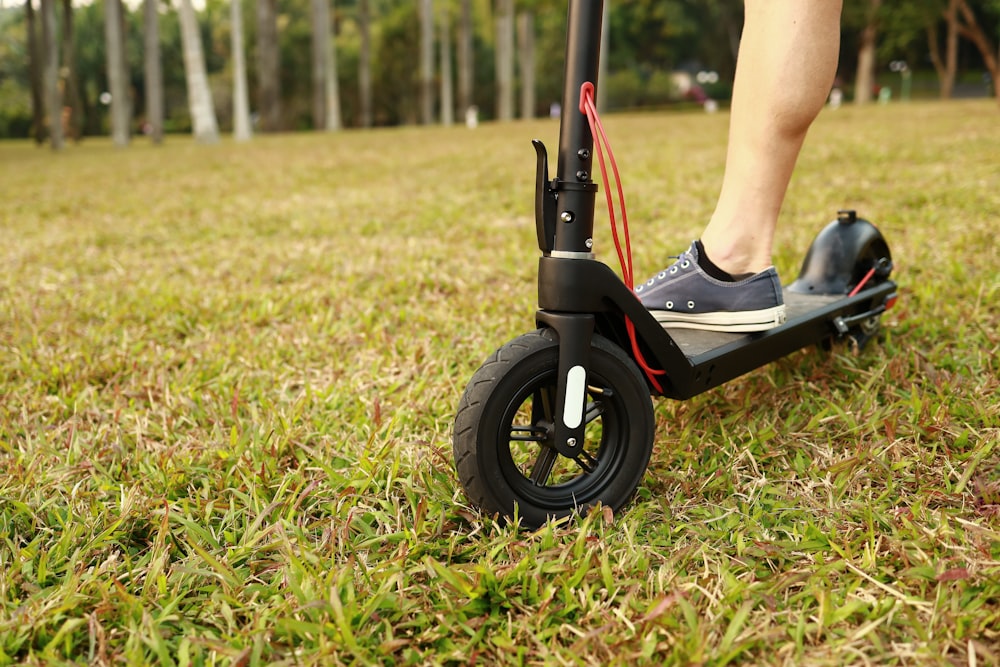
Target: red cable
[[863, 282], [588, 108]]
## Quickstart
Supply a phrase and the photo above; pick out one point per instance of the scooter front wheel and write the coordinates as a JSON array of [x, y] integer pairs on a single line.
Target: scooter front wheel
[[504, 430]]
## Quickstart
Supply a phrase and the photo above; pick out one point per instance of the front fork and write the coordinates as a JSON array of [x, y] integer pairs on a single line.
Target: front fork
[[564, 221]]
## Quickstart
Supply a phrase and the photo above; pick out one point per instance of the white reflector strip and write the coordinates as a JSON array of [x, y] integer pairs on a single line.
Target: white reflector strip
[[576, 385]]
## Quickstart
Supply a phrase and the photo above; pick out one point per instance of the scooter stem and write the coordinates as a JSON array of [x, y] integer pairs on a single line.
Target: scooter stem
[[577, 191]]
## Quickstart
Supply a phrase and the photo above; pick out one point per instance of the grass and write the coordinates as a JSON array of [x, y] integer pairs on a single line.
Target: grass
[[228, 376]]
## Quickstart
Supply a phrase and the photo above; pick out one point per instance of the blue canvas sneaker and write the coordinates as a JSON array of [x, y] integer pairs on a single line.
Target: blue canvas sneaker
[[684, 296]]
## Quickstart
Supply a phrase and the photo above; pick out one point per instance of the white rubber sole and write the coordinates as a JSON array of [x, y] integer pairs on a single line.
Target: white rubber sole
[[748, 321]]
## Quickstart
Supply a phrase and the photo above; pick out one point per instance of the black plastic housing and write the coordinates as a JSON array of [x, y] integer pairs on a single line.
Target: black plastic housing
[[841, 256]]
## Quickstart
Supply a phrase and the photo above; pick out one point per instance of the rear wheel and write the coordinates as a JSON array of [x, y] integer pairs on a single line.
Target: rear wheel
[[504, 430]]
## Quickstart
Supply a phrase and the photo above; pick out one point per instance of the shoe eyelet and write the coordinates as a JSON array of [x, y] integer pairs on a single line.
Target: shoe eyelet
[[673, 269], [685, 264], [650, 282], [639, 288], [661, 275], [670, 305], [690, 304]]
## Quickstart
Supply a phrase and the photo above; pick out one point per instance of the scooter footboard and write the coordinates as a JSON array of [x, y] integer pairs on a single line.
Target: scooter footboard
[[696, 361]]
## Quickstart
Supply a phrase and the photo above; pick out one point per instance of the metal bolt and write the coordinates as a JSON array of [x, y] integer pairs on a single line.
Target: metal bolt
[[583, 154], [571, 442], [589, 243], [566, 216], [582, 175]]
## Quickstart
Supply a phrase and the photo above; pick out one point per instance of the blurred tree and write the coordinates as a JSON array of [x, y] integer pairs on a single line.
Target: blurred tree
[[378, 45], [504, 22], [53, 97], [268, 67], [121, 106], [864, 81], [447, 85], [69, 80], [334, 119], [35, 68], [153, 69], [526, 60], [205, 125], [970, 28], [326, 94], [465, 57], [426, 60], [242, 127], [365, 64]]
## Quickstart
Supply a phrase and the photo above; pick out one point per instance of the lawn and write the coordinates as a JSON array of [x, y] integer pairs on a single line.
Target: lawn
[[228, 376]]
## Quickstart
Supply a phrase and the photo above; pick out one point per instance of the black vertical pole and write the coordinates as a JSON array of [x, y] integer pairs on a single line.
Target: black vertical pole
[[575, 210]]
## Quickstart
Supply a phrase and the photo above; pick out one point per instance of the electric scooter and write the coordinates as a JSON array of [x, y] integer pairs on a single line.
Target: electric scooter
[[560, 419]]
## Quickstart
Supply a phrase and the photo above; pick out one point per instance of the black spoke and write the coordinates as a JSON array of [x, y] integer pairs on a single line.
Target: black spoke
[[594, 410], [587, 462], [543, 465], [528, 434]]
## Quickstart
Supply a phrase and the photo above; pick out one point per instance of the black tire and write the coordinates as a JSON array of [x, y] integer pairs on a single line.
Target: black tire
[[503, 433]]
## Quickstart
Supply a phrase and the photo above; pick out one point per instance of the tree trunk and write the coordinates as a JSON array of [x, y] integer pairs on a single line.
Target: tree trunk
[[505, 59], [117, 72], [365, 64], [320, 49], [864, 82], [972, 31], [465, 78], [71, 88], [447, 96], [53, 99], [333, 120], [947, 72], [526, 62], [205, 127], [426, 61], [153, 66], [268, 67], [35, 68], [242, 129]]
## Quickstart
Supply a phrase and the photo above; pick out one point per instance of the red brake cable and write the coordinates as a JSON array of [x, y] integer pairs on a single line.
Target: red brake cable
[[588, 108], [863, 281]]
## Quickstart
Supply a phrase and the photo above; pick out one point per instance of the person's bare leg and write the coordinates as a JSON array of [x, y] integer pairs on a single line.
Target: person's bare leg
[[786, 66]]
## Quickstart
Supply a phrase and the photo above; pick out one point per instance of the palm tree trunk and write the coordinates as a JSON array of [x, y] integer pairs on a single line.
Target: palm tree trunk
[[364, 63], [447, 97], [526, 62], [465, 79], [50, 48], [950, 50], [71, 88], [333, 118], [206, 129], [35, 68], [505, 59], [864, 81], [320, 47], [154, 70], [242, 130], [117, 72], [427, 61], [268, 67]]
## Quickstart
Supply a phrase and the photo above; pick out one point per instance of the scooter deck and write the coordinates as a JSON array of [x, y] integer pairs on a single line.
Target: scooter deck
[[695, 342], [695, 361]]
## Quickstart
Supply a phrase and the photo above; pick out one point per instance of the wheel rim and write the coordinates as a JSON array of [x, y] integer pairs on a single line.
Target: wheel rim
[[531, 466]]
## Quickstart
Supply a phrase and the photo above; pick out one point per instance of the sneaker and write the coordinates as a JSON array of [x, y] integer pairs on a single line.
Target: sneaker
[[684, 296]]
